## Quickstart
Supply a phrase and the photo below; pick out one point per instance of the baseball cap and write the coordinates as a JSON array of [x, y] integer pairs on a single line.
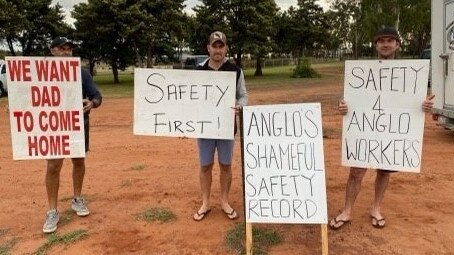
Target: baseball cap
[[59, 41], [217, 36], [387, 32]]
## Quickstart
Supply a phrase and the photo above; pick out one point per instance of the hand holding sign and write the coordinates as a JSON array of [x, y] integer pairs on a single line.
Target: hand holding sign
[[384, 124]]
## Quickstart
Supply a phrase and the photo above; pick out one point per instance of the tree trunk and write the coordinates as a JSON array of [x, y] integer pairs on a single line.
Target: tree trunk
[[138, 57], [11, 47], [91, 64], [115, 72], [150, 56], [238, 60], [258, 68]]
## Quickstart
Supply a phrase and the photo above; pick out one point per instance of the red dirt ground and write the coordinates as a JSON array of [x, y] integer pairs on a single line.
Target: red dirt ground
[[127, 174]]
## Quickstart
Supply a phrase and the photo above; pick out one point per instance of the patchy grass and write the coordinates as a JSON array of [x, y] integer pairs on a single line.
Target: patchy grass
[[126, 183], [6, 247], [262, 239], [66, 239], [156, 214], [65, 217], [138, 167]]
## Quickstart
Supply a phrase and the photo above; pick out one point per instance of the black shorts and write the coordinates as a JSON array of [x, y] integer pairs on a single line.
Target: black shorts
[[87, 136]]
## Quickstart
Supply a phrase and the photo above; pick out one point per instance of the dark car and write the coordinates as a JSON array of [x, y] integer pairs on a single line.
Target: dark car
[[3, 85], [191, 62]]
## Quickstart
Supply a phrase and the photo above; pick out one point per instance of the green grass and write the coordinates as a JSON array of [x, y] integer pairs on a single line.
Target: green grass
[[272, 76], [65, 239], [262, 239], [5, 248], [66, 217], [156, 214], [104, 82]]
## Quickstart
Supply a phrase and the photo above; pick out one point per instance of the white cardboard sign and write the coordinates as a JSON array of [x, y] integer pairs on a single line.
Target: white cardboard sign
[[384, 125], [184, 103], [284, 166], [45, 107]]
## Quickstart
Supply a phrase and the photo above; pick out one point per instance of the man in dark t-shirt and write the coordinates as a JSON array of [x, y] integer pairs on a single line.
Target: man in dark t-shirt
[[217, 49], [62, 47]]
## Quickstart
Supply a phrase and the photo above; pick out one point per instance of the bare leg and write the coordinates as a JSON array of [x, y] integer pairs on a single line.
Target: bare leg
[[78, 175], [353, 187], [226, 182], [205, 185], [381, 183], [53, 181]]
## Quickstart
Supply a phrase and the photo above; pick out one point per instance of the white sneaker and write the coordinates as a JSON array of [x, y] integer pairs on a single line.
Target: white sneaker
[[52, 219], [78, 205]]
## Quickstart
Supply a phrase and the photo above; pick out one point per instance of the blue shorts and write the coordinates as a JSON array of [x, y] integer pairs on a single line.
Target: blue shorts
[[207, 148]]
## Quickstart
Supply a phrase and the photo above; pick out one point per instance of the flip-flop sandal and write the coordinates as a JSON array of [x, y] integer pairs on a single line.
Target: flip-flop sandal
[[201, 216], [336, 221], [232, 215], [377, 222]]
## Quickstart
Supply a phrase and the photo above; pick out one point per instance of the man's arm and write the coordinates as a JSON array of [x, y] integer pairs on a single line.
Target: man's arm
[[92, 97], [241, 93]]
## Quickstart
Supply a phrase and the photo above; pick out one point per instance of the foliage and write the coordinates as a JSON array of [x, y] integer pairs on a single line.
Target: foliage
[[344, 25], [6, 247], [262, 239], [247, 24], [124, 33], [302, 29], [140, 32], [30, 23], [304, 69], [357, 21], [156, 214], [66, 239]]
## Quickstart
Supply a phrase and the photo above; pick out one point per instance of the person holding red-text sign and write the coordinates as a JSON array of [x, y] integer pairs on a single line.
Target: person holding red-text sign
[[62, 47], [387, 43]]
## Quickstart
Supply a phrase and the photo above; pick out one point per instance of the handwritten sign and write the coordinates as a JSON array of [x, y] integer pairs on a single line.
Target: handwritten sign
[[385, 123], [284, 164], [184, 103], [45, 102]]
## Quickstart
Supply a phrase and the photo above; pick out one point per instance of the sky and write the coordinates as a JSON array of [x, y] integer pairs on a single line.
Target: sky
[[68, 5]]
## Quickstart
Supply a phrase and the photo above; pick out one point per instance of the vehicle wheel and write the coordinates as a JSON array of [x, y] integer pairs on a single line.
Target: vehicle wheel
[[2, 91]]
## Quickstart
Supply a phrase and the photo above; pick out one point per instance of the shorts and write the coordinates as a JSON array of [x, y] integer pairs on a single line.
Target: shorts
[[389, 171], [87, 136], [207, 148]]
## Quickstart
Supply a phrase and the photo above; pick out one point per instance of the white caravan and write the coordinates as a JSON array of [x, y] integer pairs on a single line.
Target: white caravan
[[442, 61]]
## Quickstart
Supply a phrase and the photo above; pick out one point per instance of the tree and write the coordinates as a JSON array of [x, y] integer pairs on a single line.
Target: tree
[[303, 28], [31, 24], [344, 33], [160, 28], [123, 33], [410, 17], [259, 30], [248, 25], [101, 27], [415, 24]]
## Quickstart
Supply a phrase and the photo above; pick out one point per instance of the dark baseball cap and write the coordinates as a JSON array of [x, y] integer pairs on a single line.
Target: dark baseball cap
[[387, 32], [217, 36], [60, 41]]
